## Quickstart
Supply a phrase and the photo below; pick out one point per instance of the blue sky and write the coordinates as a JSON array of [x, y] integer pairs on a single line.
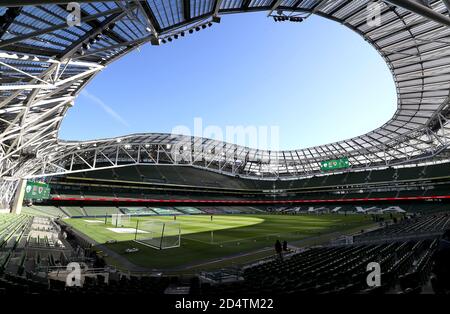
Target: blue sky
[[317, 81]]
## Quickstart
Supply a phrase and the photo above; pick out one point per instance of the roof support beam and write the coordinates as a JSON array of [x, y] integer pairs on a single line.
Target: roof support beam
[[151, 17], [94, 23], [447, 4], [422, 10], [85, 19], [19, 3], [217, 7], [295, 5], [187, 9], [275, 4], [33, 50], [103, 25], [245, 4], [8, 18]]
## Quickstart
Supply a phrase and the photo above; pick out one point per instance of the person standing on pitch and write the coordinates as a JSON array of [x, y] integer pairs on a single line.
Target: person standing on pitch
[[211, 217], [279, 249]]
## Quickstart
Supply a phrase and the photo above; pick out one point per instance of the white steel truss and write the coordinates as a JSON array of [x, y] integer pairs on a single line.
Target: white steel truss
[[44, 64]]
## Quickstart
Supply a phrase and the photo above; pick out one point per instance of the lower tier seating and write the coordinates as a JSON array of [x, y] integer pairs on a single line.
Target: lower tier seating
[[414, 226], [404, 265]]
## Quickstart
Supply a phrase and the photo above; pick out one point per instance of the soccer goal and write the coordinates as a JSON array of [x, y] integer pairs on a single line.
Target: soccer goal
[[120, 220], [159, 234]]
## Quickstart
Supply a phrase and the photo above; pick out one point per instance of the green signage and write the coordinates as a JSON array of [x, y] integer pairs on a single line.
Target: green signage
[[37, 191], [334, 164]]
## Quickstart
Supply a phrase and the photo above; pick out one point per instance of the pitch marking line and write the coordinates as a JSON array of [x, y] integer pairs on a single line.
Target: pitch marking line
[[126, 230]]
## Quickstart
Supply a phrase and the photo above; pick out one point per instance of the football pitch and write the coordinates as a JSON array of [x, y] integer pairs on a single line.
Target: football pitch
[[219, 240]]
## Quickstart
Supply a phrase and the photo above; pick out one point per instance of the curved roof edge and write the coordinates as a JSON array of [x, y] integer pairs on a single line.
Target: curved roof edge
[[46, 64]]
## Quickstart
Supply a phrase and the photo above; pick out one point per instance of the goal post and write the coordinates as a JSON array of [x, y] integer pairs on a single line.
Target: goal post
[[120, 220], [158, 234]]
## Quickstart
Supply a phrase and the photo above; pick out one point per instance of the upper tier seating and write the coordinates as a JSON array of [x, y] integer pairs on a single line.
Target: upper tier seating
[[164, 175], [179, 175]]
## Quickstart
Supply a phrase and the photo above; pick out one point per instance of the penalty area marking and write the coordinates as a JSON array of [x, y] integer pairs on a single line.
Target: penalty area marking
[[126, 230], [278, 235], [94, 221]]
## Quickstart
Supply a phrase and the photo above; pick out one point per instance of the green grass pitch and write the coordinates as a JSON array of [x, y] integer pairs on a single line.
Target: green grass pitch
[[203, 240]]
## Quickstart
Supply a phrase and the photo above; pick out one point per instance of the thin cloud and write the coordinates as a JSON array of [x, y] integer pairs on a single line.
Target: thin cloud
[[106, 108]]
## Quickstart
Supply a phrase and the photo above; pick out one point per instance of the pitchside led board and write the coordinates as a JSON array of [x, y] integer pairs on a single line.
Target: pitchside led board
[[37, 191], [335, 164]]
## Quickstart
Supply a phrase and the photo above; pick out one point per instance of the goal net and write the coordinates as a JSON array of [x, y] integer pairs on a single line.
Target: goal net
[[120, 220], [159, 235]]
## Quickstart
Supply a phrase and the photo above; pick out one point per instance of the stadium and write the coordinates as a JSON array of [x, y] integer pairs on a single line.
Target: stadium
[[170, 214]]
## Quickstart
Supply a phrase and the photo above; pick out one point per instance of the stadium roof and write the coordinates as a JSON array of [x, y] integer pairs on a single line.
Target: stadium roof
[[45, 63]]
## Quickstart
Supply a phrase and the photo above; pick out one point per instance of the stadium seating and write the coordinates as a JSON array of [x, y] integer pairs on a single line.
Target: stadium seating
[[73, 211], [196, 177], [12, 236], [165, 211], [432, 225], [340, 269], [137, 211], [172, 175], [44, 211], [100, 211], [122, 285], [337, 270], [189, 210], [224, 210]]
